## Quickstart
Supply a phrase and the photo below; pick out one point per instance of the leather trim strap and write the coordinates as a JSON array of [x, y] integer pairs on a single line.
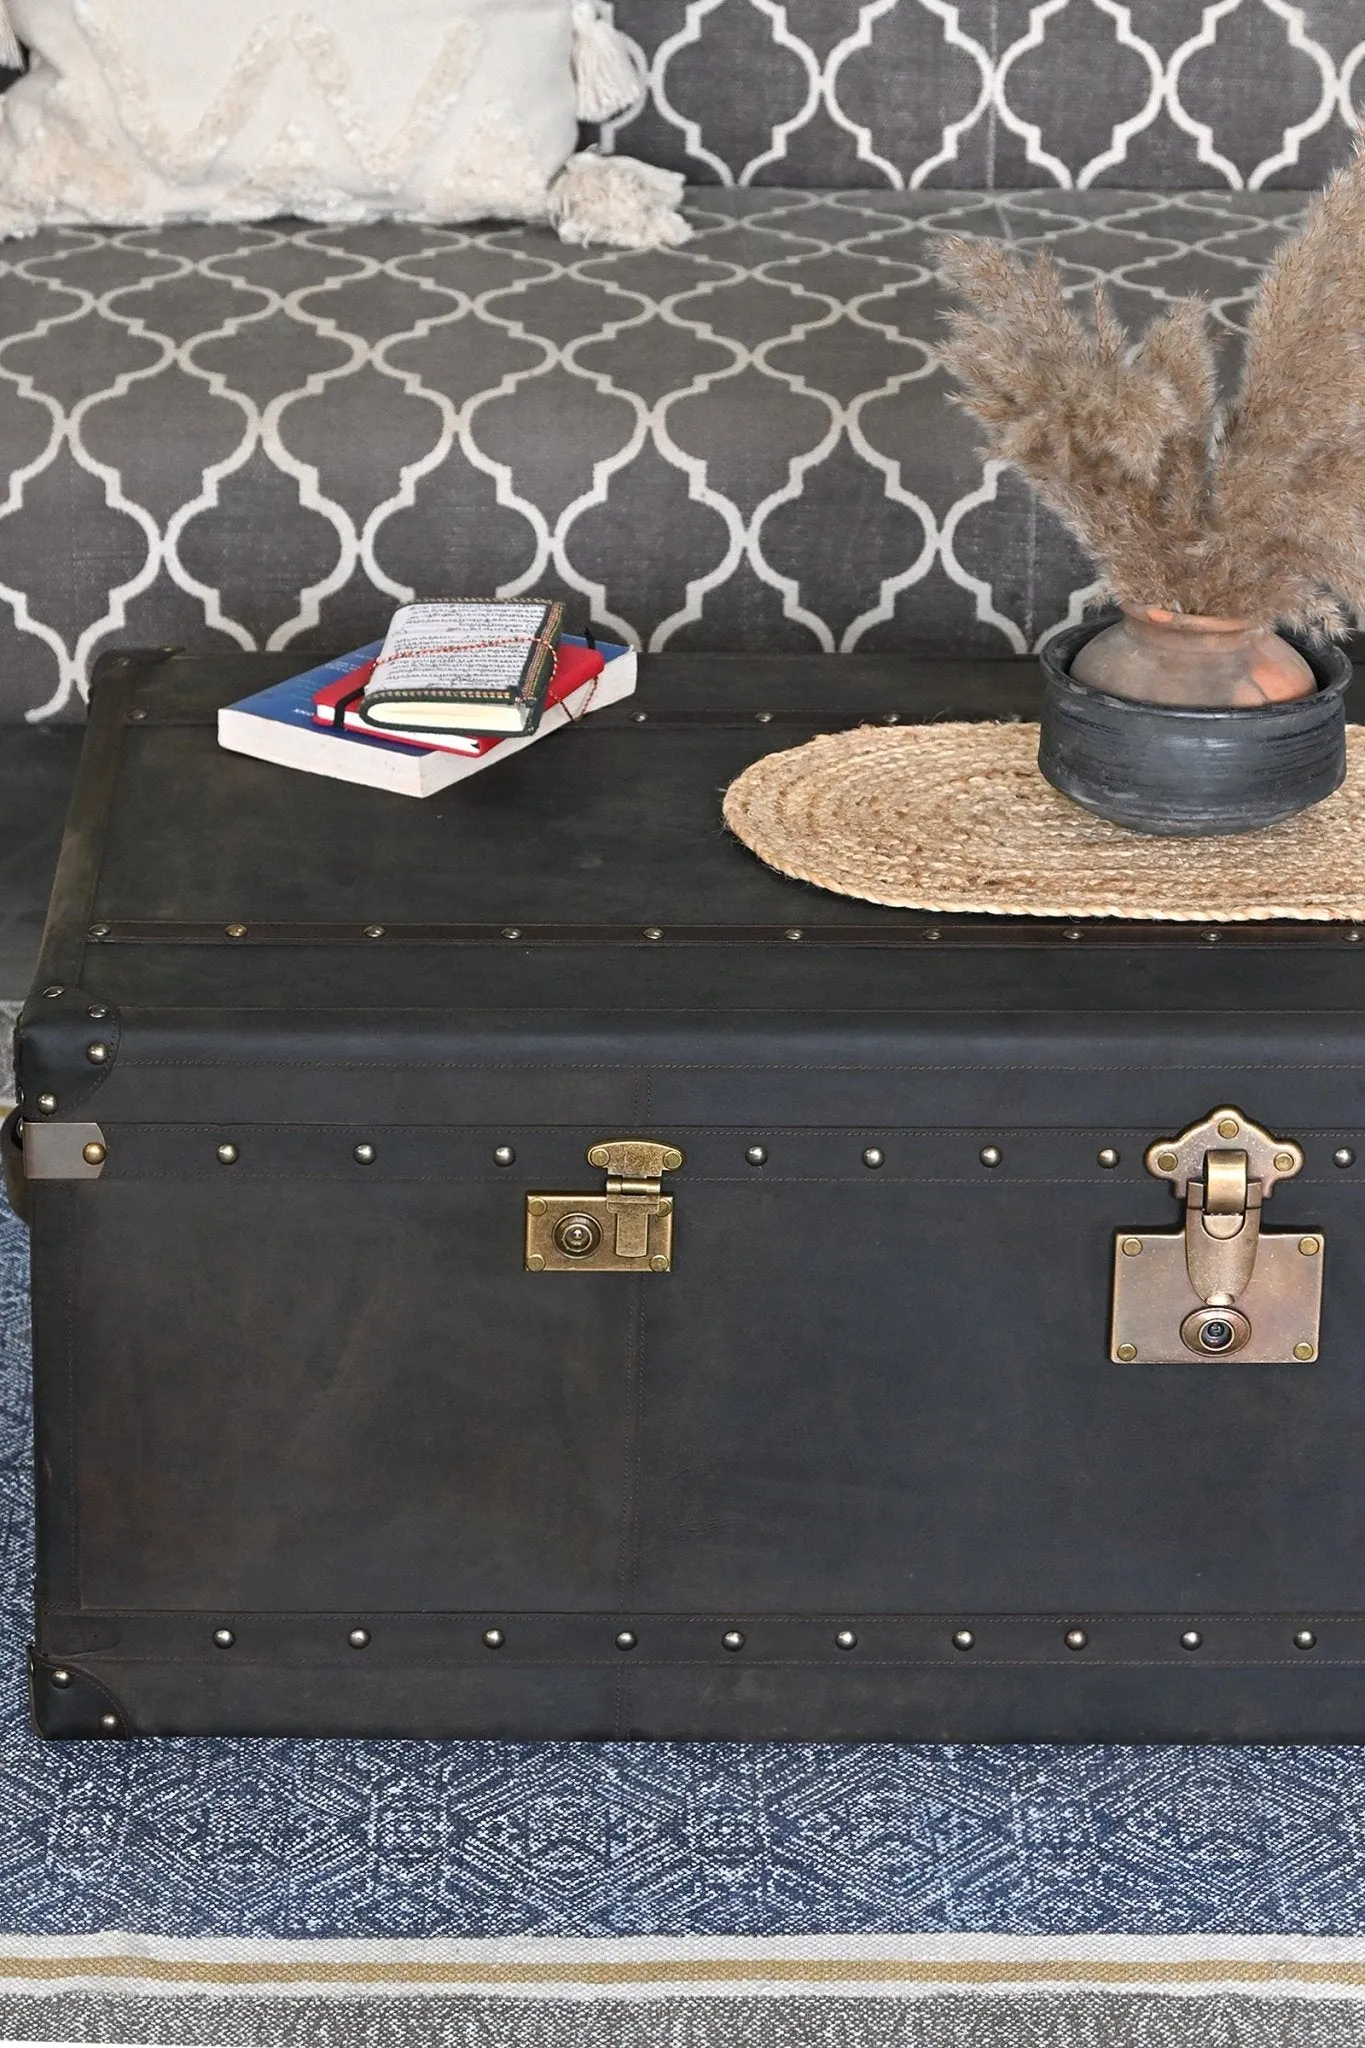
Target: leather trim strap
[[895, 929]]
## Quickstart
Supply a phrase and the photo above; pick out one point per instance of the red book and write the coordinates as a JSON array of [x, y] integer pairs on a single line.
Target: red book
[[338, 705]]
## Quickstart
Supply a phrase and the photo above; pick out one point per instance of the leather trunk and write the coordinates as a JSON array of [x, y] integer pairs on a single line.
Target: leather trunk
[[319, 1455]]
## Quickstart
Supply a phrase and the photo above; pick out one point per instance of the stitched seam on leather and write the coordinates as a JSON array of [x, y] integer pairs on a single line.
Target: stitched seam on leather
[[628, 1528], [72, 1485], [1059, 1617], [727, 1661], [1041, 1616], [727, 1065]]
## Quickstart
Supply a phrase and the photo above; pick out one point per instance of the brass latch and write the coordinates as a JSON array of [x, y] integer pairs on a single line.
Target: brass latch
[[628, 1228], [1221, 1285]]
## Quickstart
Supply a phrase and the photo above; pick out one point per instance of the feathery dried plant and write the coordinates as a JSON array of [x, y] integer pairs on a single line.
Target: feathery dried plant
[[1255, 510]]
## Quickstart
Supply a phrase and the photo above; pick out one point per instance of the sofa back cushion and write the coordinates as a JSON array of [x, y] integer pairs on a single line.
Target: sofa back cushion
[[148, 110], [1158, 94]]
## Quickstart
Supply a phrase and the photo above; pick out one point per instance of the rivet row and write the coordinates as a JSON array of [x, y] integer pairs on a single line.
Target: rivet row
[[873, 1156], [225, 1639], [962, 1639]]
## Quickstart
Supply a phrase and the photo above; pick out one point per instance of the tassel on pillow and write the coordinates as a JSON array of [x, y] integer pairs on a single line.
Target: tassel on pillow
[[619, 202], [606, 78], [11, 56]]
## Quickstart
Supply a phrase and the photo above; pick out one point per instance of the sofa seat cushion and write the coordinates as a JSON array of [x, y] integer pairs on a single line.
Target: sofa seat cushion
[[269, 436]]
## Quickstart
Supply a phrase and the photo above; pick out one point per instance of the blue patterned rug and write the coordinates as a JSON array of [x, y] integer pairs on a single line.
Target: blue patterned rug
[[248, 1894]]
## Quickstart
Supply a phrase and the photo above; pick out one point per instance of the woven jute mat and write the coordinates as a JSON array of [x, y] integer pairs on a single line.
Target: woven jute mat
[[958, 818]]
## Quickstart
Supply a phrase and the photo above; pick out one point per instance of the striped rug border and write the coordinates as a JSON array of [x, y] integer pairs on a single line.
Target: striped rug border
[[710, 1968]]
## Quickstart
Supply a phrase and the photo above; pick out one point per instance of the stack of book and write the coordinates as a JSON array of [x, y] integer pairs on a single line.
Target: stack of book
[[451, 690]]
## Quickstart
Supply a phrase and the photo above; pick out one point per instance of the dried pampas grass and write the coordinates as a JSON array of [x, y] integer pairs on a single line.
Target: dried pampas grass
[[1256, 511]]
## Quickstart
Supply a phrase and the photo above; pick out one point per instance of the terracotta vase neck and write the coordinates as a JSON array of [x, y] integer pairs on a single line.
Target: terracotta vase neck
[[1168, 657], [1185, 625]]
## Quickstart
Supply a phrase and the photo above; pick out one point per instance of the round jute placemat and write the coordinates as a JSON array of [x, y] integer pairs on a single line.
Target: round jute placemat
[[958, 818]]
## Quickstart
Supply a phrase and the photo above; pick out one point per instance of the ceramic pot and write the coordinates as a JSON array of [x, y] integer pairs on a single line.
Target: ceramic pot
[[1163, 657], [1190, 769]]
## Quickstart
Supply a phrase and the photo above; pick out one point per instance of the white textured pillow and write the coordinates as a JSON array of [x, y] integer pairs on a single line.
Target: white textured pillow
[[143, 111]]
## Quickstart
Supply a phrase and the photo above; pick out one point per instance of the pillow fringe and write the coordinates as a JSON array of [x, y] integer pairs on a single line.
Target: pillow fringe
[[11, 56], [619, 202], [606, 77]]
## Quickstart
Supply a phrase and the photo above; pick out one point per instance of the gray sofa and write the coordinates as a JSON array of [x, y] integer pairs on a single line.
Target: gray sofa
[[269, 436]]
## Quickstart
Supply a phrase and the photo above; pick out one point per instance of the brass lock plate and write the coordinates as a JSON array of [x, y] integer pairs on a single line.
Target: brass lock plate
[[625, 1228], [1153, 1300], [1220, 1287]]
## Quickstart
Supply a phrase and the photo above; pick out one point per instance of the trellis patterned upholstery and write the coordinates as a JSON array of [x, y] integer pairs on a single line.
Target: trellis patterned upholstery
[[268, 436]]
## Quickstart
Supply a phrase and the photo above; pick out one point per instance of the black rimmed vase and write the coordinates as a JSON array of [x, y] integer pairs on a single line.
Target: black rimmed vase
[[1185, 770]]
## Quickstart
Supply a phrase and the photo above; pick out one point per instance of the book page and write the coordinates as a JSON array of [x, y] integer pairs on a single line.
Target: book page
[[458, 647]]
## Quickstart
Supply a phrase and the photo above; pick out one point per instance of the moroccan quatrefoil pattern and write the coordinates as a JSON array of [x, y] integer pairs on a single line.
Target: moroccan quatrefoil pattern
[[1166, 94], [268, 437]]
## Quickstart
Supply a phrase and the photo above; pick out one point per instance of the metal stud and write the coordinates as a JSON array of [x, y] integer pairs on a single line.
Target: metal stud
[[652, 932], [1303, 1351], [364, 1155], [374, 931], [1191, 1639], [137, 715], [1107, 1157], [359, 1639], [62, 1679], [1352, 938], [763, 717], [733, 1639], [109, 1723], [1212, 938], [874, 1156], [891, 718], [991, 1155], [224, 1638], [846, 1639], [931, 931], [1343, 1156], [757, 1155], [641, 718], [97, 1054], [493, 1638], [93, 1154], [98, 931], [504, 1155], [1305, 1640], [963, 1639], [48, 1104], [795, 932], [1125, 1353], [1076, 1639], [228, 1155], [1310, 1246], [626, 1640], [55, 991], [511, 931], [1073, 934], [235, 931], [1132, 1247], [97, 1012]]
